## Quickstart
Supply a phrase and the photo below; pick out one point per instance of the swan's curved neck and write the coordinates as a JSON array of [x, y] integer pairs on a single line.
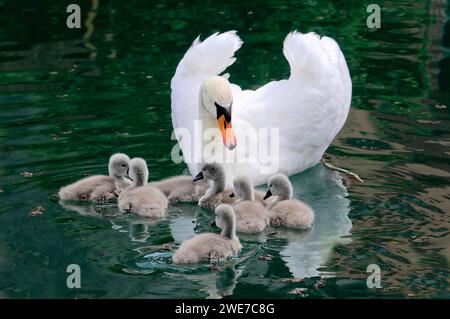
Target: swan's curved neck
[[229, 229], [139, 183], [111, 171], [218, 185], [211, 142], [247, 192], [141, 180], [212, 148], [286, 194], [207, 120]]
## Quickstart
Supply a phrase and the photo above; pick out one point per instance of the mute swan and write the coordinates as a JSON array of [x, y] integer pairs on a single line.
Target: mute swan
[[182, 189], [99, 188], [210, 246], [251, 215], [296, 118], [140, 198], [286, 211]]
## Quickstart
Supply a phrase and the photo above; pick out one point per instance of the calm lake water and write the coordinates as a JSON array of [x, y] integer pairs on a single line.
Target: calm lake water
[[71, 98]]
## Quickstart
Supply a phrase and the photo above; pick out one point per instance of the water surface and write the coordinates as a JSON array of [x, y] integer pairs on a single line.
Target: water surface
[[70, 98]]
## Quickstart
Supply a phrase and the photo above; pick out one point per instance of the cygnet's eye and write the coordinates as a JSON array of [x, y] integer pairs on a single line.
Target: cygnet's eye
[[124, 165], [204, 169]]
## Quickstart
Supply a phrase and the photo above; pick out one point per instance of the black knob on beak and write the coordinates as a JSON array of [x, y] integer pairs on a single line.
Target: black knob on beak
[[268, 194], [198, 177]]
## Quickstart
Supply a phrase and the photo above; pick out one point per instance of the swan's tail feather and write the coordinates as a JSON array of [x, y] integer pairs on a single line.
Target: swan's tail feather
[[212, 56], [307, 54], [338, 59], [202, 60]]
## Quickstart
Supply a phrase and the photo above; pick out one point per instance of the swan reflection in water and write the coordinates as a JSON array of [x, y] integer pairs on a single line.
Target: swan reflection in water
[[307, 251], [89, 209], [138, 228], [303, 252]]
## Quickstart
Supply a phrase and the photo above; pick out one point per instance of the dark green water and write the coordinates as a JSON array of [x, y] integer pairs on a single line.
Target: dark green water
[[70, 98]]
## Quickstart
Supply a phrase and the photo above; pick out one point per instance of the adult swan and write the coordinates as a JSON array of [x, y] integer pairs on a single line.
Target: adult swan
[[284, 126]]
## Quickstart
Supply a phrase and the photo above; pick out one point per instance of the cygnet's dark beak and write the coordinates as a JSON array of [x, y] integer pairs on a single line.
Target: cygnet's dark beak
[[232, 195], [268, 194], [198, 177], [128, 175]]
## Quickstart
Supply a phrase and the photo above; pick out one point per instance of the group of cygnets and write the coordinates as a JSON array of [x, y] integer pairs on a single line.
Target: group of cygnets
[[241, 209]]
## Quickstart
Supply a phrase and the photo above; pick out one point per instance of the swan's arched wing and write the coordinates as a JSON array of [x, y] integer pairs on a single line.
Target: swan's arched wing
[[309, 108], [202, 60]]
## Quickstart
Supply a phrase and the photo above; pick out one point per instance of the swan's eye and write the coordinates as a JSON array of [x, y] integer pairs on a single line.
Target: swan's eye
[[221, 111]]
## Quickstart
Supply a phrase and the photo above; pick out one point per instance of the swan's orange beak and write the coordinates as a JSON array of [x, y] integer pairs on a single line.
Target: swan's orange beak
[[224, 122], [226, 129]]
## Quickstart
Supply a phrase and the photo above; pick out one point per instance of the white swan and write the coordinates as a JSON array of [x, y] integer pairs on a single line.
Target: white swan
[[308, 109]]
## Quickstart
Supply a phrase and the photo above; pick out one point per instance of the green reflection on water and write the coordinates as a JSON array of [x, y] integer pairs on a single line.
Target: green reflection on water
[[69, 98]]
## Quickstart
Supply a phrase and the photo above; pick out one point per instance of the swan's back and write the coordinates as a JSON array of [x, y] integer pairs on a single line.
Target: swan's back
[[147, 201], [206, 247], [309, 108], [83, 189], [183, 184], [251, 216], [292, 213]]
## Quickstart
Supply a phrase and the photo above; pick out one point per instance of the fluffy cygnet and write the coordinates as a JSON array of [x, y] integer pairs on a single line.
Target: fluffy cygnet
[[99, 188], [214, 195], [210, 246], [286, 211], [251, 215], [140, 198], [182, 189], [217, 192]]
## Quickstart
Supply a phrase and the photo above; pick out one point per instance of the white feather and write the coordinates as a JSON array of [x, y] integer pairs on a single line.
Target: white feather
[[308, 109], [201, 61]]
